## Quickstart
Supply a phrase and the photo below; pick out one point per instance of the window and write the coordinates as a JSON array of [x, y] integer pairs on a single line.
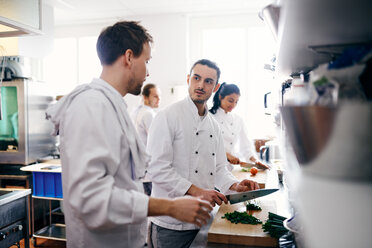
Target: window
[[240, 45], [73, 61]]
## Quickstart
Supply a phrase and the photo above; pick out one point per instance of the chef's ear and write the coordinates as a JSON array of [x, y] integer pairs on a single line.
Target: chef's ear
[[128, 57], [188, 79], [216, 87]]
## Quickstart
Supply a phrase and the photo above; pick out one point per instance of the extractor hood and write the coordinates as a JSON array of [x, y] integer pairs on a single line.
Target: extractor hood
[[19, 17]]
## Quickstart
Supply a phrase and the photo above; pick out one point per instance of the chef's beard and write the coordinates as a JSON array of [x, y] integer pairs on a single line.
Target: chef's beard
[[198, 101], [137, 86]]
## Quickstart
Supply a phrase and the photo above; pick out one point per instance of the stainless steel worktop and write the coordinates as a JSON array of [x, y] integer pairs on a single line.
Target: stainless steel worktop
[[8, 195]]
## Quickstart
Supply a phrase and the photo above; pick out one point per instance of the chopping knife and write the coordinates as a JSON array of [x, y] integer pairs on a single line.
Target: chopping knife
[[247, 165], [249, 195]]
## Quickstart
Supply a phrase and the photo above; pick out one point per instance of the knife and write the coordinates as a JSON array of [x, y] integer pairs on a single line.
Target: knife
[[247, 165], [249, 195]]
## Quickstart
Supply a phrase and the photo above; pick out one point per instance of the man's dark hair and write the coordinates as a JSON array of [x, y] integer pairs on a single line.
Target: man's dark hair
[[146, 89], [208, 63], [115, 40]]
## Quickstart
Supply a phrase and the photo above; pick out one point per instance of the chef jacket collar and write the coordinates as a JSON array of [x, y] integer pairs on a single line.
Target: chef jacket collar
[[222, 111], [194, 109]]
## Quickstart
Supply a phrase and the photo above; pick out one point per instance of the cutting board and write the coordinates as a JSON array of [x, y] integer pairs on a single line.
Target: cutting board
[[225, 232], [261, 177]]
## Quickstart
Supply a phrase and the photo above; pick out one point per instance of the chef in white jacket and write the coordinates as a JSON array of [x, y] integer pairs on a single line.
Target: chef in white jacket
[[237, 144], [188, 156], [103, 160], [145, 113], [142, 117]]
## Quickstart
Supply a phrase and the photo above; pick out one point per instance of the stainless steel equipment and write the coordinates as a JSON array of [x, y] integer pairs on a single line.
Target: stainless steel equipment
[[332, 142], [14, 217], [24, 131]]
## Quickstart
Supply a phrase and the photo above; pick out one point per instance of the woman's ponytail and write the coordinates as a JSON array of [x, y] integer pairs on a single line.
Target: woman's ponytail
[[216, 99]]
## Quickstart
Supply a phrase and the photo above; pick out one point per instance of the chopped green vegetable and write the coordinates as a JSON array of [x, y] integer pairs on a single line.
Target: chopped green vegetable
[[273, 216], [241, 217], [253, 205], [274, 225], [244, 170]]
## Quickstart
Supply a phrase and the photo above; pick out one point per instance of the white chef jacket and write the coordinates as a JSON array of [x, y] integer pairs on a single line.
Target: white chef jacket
[[104, 203], [185, 149], [234, 135], [142, 118]]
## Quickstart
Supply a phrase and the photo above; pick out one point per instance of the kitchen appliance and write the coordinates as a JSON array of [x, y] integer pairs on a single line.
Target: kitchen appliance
[[14, 217], [271, 14], [24, 131], [328, 142], [250, 195], [270, 151]]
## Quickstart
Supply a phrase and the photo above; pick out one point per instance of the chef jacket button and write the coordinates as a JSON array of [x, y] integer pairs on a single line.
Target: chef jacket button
[[231, 143], [197, 133], [211, 135], [222, 132], [211, 173], [231, 124], [196, 152], [212, 154], [232, 133], [196, 171]]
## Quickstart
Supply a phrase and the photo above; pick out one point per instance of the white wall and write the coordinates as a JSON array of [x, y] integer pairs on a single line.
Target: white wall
[[168, 66]]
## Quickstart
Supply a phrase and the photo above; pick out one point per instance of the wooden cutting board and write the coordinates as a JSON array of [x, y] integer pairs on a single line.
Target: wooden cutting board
[[261, 177], [225, 232]]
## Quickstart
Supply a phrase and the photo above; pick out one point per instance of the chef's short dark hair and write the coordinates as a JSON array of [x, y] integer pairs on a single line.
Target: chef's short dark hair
[[115, 40], [208, 63], [146, 89]]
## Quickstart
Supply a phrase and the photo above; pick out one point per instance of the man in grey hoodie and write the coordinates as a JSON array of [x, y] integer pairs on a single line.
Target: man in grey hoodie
[[103, 161]]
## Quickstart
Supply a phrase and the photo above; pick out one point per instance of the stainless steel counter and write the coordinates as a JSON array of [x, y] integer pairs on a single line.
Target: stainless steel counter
[[8, 195]]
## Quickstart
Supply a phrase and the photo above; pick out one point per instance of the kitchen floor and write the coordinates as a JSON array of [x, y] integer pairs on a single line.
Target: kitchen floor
[[44, 243]]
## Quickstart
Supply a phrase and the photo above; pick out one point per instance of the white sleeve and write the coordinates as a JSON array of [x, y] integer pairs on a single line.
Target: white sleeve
[[92, 149], [147, 120], [224, 178], [245, 145], [160, 147]]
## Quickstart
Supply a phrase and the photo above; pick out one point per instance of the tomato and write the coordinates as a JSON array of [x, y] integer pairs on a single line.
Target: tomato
[[253, 171]]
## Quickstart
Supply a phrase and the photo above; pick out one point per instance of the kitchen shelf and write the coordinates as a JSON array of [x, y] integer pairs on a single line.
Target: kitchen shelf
[[48, 186], [54, 231]]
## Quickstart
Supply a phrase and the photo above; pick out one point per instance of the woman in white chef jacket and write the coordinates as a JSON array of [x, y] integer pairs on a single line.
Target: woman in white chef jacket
[[237, 144]]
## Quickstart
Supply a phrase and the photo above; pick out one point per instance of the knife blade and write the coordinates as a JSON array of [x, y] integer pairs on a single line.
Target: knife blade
[[246, 165], [249, 195]]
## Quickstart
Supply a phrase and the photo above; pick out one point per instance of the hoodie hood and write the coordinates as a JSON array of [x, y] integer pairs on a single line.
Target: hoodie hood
[[56, 112]]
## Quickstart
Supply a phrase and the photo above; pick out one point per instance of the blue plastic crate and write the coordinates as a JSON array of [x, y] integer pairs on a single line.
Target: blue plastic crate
[[47, 184]]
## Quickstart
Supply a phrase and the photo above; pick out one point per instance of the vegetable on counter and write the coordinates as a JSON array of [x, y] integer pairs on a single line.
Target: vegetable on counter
[[241, 217], [253, 205], [274, 225], [253, 171]]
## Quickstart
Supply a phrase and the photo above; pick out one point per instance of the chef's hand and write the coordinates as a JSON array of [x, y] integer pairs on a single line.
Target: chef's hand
[[212, 196], [232, 159], [245, 185], [261, 165], [191, 209], [187, 208]]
